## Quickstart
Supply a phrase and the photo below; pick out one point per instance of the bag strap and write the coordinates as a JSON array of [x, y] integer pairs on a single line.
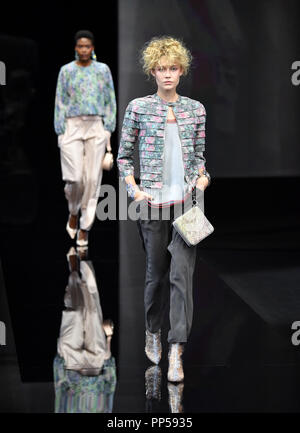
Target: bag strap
[[194, 197]]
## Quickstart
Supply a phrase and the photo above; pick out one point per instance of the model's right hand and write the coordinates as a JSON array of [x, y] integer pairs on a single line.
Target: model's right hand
[[141, 195], [59, 139]]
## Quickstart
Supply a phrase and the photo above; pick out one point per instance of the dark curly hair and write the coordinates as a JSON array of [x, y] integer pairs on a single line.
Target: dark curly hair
[[84, 34]]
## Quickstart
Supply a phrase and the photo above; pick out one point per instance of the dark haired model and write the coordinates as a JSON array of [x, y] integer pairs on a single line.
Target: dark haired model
[[85, 117]]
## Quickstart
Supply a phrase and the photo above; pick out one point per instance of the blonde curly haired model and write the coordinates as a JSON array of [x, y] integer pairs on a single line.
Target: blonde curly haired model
[[165, 46], [168, 131]]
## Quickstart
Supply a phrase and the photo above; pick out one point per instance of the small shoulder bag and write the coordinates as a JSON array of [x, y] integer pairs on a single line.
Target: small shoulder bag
[[193, 226], [108, 161]]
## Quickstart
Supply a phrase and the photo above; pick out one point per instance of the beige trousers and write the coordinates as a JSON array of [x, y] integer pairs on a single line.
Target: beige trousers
[[82, 341], [82, 149]]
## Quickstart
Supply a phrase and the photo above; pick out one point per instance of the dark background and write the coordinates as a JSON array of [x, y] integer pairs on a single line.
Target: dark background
[[247, 276], [35, 41], [243, 52]]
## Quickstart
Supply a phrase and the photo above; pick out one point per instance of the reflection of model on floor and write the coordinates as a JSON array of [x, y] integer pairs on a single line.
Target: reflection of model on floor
[[153, 391], [85, 117], [84, 369]]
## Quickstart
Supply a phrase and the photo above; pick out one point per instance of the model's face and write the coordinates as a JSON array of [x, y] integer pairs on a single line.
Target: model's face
[[84, 48], [167, 76]]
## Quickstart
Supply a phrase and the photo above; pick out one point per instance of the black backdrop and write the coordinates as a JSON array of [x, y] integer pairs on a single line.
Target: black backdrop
[[243, 52], [36, 39], [40, 38]]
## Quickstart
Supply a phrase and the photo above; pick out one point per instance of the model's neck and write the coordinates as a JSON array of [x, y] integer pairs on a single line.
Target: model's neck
[[168, 96], [84, 63]]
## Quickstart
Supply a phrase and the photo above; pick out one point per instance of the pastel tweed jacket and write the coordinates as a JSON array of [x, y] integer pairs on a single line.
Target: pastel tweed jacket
[[145, 122]]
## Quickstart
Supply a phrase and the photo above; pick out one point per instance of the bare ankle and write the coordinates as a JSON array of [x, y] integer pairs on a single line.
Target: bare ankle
[[82, 234], [73, 221]]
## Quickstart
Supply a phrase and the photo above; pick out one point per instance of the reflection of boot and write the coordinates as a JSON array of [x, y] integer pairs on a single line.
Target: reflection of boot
[[153, 346], [175, 371], [82, 252], [108, 327], [175, 397], [82, 238], [153, 382]]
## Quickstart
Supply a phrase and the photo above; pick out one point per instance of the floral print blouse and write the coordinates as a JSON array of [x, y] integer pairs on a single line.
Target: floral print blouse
[[85, 90]]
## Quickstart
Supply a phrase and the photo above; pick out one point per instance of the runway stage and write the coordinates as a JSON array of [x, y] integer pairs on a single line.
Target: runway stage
[[239, 358]]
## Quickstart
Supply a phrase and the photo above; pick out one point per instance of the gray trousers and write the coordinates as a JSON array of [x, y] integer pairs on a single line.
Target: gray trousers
[[170, 265]]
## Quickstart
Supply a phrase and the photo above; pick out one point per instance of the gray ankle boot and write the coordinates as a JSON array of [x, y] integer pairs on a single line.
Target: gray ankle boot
[[175, 371], [153, 346]]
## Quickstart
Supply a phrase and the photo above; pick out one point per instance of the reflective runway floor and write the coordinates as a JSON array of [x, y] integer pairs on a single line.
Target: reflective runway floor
[[240, 356]]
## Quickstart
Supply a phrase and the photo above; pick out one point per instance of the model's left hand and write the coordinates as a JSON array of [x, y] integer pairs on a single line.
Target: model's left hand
[[108, 135], [108, 146], [202, 183]]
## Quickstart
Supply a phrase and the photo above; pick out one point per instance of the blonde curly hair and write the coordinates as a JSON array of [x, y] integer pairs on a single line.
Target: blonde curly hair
[[173, 49]]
